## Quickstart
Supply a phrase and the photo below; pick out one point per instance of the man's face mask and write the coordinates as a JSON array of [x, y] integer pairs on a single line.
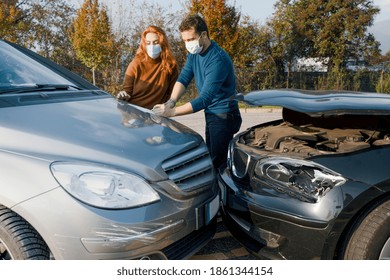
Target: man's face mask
[[193, 46], [153, 50]]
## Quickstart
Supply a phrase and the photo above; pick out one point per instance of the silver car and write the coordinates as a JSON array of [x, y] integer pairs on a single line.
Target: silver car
[[84, 176]]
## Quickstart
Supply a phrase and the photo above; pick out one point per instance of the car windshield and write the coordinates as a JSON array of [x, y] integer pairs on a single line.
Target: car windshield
[[18, 71]]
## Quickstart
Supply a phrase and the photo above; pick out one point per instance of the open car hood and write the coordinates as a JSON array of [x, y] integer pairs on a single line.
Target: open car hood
[[321, 103]]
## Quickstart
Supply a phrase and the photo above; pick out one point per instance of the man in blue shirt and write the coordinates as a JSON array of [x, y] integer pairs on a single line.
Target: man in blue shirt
[[214, 76]]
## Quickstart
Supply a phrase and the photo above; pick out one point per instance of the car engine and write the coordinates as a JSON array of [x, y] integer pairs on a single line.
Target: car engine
[[302, 135]]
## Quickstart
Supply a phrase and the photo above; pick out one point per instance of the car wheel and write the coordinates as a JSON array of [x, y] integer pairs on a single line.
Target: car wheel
[[18, 239], [371, 238]]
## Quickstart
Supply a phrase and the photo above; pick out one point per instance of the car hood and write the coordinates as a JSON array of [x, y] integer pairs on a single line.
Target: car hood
[[101, 130], [321, 102]]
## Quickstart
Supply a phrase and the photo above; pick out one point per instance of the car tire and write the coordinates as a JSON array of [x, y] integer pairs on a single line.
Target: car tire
[[370, 239], [19, 240]]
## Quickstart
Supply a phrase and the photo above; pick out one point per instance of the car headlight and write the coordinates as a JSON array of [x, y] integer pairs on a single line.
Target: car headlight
[[103, 187], [299, 178]]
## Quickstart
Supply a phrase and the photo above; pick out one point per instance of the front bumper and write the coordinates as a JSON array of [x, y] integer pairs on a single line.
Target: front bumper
[[74, 231], [273, 227]]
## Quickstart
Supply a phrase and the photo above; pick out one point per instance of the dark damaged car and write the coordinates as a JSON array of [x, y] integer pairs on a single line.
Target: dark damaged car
[[314, 184], [83, 176]]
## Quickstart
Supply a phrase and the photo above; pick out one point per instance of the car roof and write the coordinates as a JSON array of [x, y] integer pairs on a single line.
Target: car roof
[[321, 102]]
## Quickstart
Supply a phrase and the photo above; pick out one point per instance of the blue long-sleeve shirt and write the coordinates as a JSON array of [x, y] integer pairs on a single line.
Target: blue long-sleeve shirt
[[214, 78]]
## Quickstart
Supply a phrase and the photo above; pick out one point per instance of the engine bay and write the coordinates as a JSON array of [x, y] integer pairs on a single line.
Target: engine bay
[[302, 135]]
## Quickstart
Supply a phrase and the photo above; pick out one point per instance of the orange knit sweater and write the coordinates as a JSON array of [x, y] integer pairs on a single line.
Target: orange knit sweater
[[147, 83]]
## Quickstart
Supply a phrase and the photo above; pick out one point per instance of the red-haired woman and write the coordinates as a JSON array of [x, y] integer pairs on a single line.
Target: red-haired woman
[[152, 73]]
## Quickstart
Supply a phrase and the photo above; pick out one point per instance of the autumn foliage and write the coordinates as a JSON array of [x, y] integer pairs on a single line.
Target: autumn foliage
[[99, 38]]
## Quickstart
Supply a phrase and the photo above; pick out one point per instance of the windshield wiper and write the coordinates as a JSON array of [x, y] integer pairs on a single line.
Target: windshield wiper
[[38, 87], [58, 86]]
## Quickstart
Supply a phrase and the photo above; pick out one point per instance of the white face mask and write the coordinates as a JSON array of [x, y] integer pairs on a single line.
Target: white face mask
[[153, 50], [194, 47]]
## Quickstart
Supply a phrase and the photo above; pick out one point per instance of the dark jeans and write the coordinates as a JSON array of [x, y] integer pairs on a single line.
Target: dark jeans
[[220, 129]]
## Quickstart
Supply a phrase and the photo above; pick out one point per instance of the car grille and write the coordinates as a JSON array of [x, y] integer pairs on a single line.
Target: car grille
[[191, 170]]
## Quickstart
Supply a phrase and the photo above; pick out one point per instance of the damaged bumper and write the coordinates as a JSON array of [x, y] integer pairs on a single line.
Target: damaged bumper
[[274, 228], [142, 233]]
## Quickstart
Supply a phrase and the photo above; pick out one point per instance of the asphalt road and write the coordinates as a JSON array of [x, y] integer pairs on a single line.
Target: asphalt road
[[250, 117], [224, 246]]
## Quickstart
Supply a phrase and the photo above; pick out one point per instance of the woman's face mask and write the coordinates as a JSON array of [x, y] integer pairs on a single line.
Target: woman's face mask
[[193, 46], [153, 50]]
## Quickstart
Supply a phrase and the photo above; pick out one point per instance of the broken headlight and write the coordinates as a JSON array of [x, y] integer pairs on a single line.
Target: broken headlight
[[299, 178]]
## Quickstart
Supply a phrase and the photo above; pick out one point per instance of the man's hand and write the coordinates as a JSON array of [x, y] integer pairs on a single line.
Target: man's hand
[[164, 110], [123, 95]]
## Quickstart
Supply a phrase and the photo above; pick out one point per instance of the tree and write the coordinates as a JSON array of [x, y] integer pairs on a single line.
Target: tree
[[251, 62], [336, 29], [15, 22], [51, 20], [288, 42], [383, 84], [92, 36], [331, 31]]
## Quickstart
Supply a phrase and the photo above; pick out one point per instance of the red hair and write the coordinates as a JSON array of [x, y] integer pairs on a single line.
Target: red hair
[[167, 58]]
